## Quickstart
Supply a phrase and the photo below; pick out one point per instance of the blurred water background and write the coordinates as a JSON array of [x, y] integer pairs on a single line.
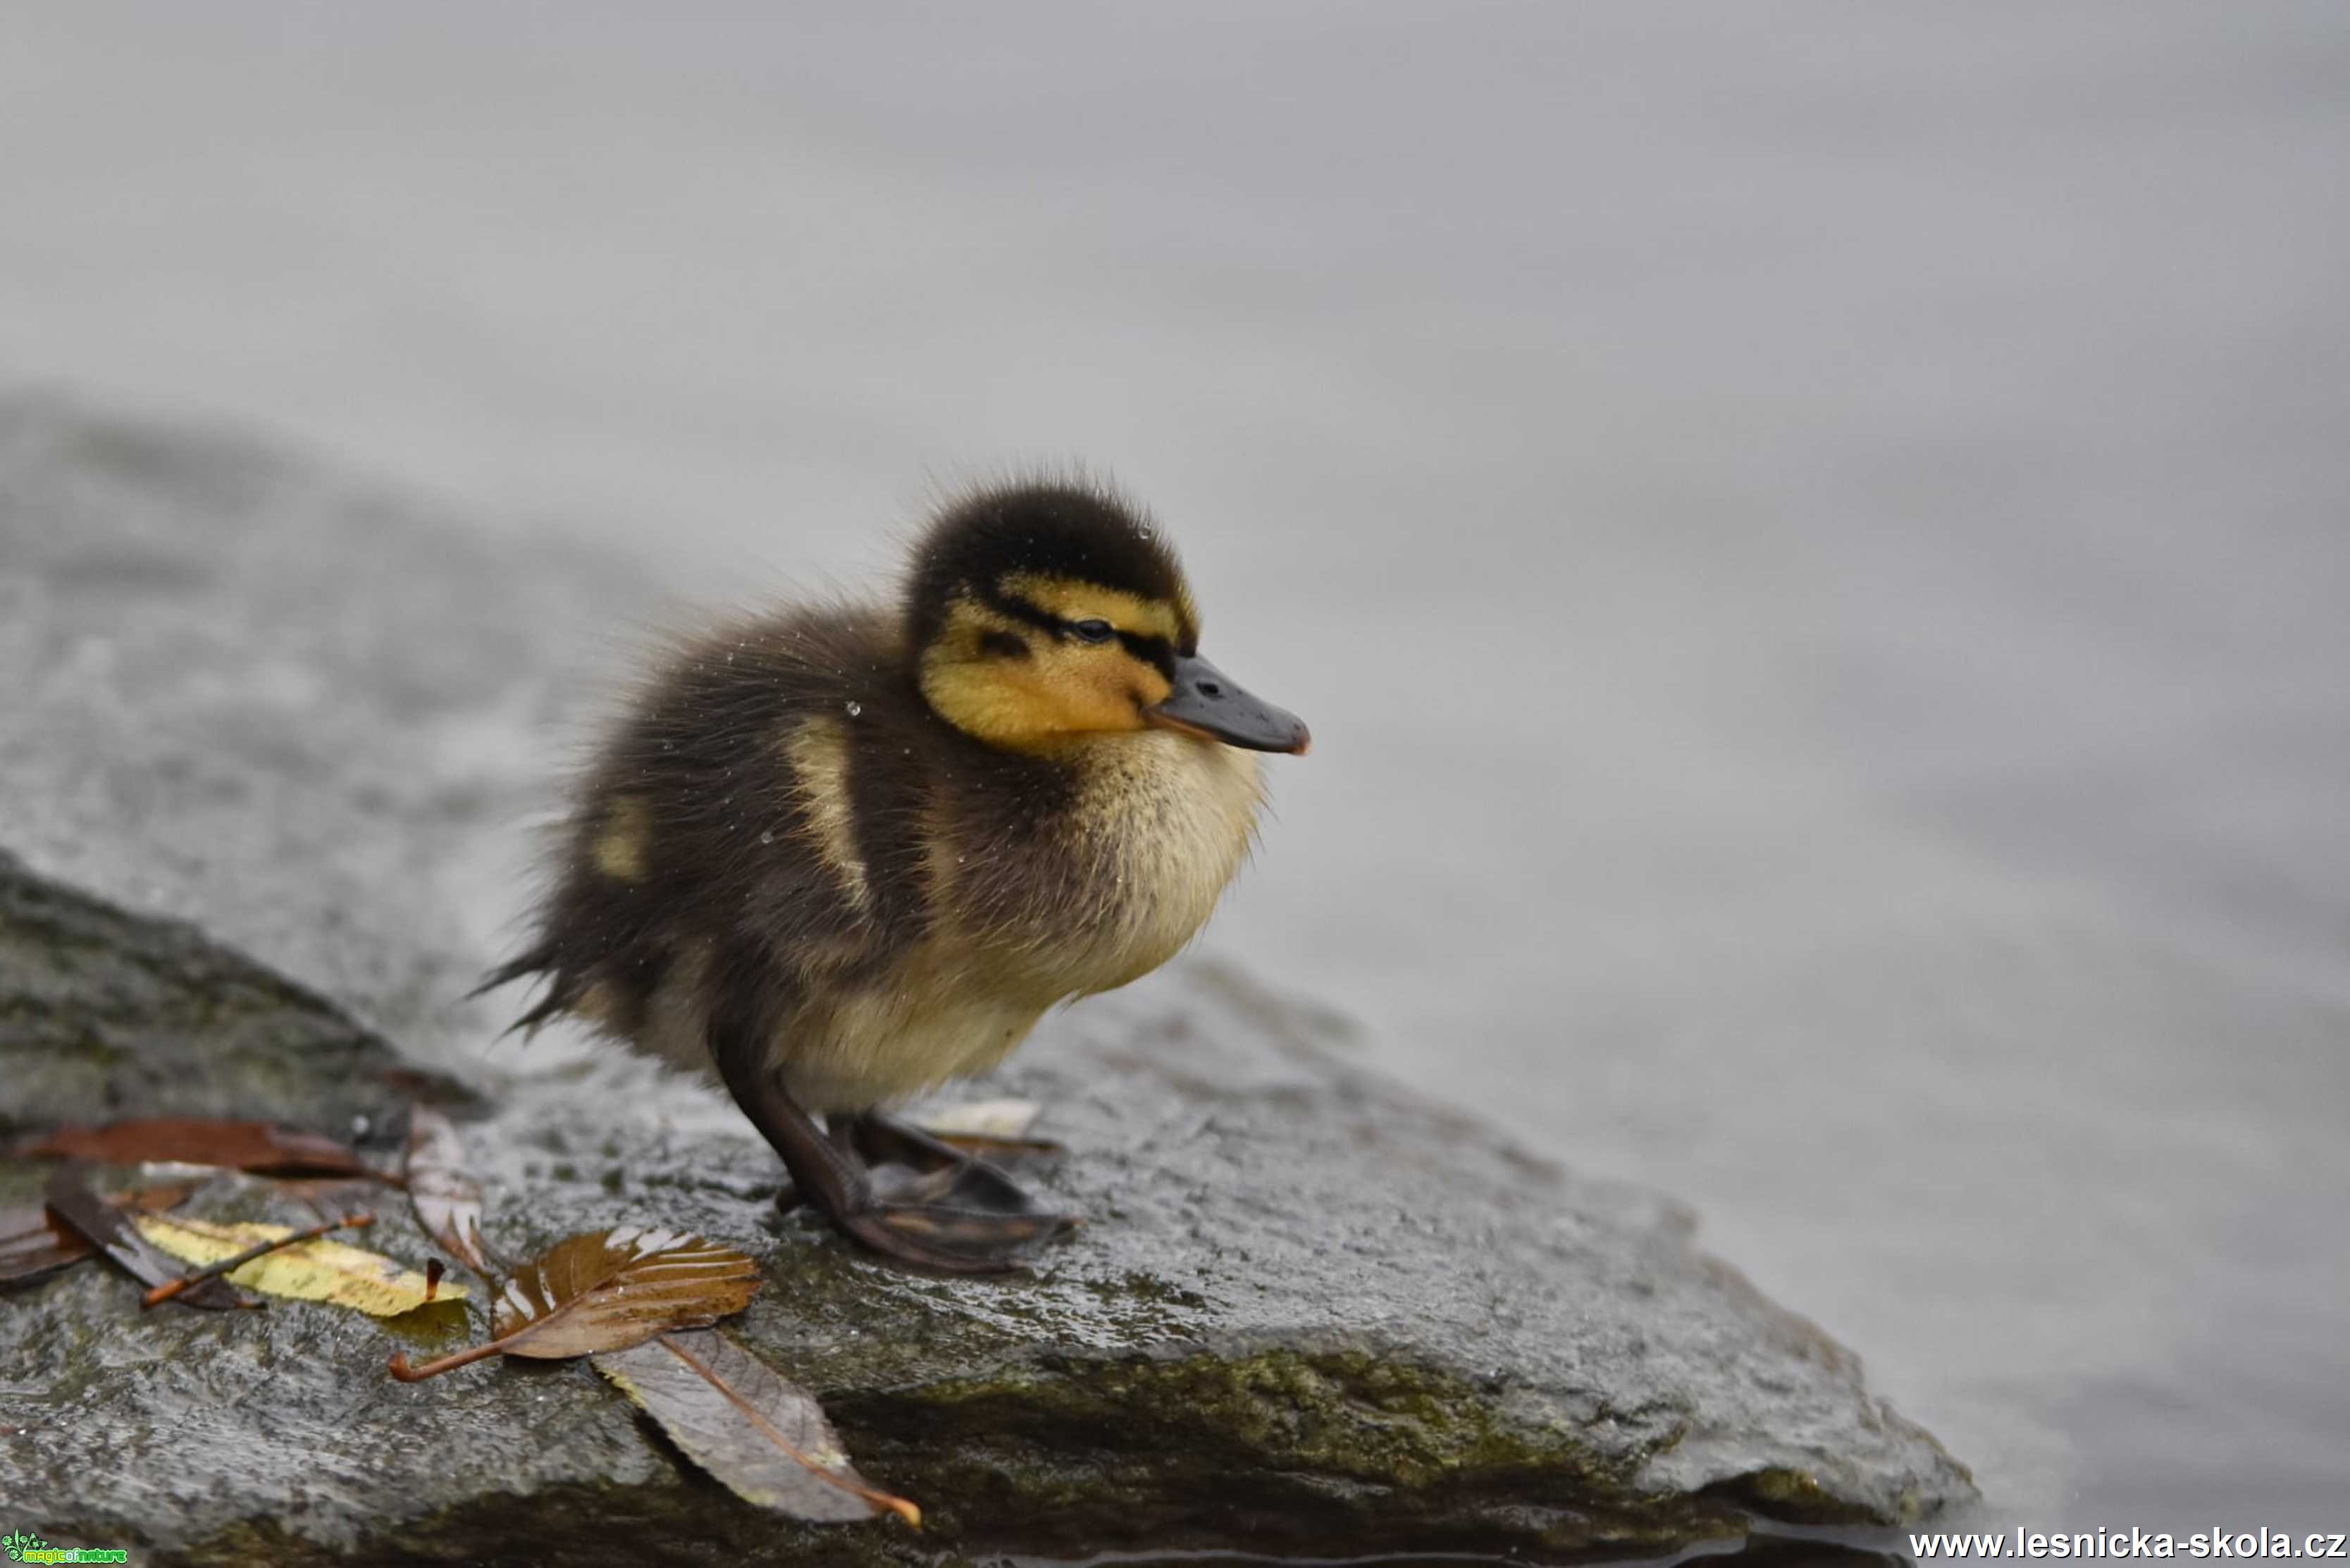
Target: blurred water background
[[1815, 539]]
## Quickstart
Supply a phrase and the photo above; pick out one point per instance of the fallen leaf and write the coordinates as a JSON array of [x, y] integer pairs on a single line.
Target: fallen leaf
[[235, 1261], [447, 1199], [247, 1146], [737, 1418], [606, 1290], [319, 1270], [983, 1119], [329, 1197], [108, 1229], [985, 1128], [34, 1243]]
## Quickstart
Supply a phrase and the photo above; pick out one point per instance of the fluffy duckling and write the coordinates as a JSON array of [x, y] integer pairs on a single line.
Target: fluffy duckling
[[843, 854]]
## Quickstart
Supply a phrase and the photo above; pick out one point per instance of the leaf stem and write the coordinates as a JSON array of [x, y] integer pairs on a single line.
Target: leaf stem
[[171, 1288], [399, 1369]]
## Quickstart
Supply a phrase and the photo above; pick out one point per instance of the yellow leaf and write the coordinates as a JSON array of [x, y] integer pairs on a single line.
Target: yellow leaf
[[318, 1271]]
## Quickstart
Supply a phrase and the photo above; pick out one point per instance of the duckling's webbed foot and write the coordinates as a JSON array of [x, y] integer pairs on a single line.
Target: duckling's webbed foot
[[979, 1222], [965, 1216], [926, 1187], [911, 1165]]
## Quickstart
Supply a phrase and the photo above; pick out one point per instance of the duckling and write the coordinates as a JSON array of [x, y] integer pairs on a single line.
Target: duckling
[[840, 855]]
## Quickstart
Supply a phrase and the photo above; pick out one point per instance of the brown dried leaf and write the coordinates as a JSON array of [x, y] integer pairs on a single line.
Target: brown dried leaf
[[612, 1289], [328, 1196], [734, 1415], [34, 1243], [111, 1230], [608, 1290], [992, 1129], [1004, 1120], [447, 1199], [245, 1145]]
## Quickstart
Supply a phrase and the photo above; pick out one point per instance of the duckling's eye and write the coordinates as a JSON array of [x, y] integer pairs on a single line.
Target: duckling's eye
[[1093, 630]]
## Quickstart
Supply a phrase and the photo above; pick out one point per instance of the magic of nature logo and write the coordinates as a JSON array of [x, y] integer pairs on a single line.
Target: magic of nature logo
[[23, 1547]]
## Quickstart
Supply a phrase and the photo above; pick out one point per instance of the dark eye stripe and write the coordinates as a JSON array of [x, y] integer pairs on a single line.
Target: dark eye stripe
[[1156, 651], [1021, 609], [1149, 648]]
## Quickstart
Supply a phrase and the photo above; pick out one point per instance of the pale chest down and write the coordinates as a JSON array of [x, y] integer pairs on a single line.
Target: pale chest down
[[1160, 824]]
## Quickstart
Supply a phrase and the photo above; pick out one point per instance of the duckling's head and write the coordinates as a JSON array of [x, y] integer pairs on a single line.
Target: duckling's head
[[1041, 615]]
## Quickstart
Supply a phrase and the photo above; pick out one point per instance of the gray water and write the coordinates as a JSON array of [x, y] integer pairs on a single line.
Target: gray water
[[1814, 539]]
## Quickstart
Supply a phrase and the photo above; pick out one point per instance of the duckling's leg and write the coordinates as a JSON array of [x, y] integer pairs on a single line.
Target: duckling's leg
[[931, 1235]]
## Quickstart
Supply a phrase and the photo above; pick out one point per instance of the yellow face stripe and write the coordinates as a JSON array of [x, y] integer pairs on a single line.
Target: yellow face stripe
[[1059, 689], [1072, 598]]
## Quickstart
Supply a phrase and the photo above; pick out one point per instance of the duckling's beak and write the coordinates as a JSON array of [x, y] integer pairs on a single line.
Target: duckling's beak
[[1210, 703]]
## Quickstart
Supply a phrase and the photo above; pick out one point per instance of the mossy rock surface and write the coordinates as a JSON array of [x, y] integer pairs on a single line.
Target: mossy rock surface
[[286, 728]]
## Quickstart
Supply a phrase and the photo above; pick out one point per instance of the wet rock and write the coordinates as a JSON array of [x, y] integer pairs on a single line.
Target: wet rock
[[266, 751], [104, 1013]]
